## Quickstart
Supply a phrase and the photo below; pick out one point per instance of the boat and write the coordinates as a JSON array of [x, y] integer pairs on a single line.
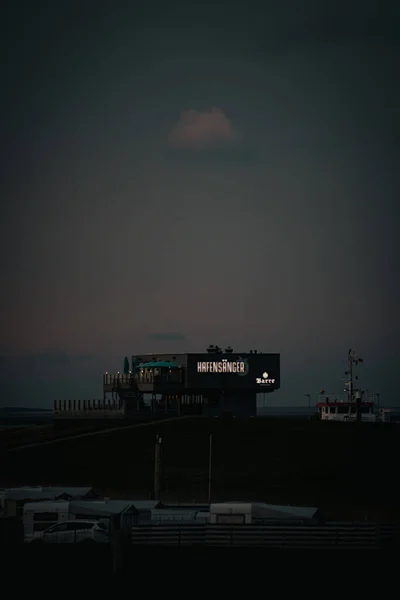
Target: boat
[[354, 403], [333, 408]]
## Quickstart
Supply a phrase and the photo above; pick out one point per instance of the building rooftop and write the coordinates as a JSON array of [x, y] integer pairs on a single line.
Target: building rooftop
[[160, 364], [110, 507], [49, 493]]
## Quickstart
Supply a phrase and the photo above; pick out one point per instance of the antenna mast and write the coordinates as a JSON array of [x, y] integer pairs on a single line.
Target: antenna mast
[[352, 361]]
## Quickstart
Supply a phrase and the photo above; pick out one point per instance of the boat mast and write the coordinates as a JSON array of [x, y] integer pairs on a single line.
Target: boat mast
[[352, 360]]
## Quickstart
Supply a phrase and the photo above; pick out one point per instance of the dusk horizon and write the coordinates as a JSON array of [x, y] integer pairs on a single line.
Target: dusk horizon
[[180, 176]]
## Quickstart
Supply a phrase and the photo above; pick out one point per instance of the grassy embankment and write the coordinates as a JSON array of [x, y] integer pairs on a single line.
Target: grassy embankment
[[347, 469]]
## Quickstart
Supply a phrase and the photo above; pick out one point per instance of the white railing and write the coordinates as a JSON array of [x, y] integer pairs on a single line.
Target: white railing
[[333, 398], [84, 406], [115, 378]]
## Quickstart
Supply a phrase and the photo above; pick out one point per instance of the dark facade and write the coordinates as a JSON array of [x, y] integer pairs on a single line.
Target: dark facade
[[211, 371], [209, 383]]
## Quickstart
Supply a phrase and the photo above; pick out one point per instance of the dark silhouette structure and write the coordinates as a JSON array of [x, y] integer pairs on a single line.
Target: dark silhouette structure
[[216, 382]]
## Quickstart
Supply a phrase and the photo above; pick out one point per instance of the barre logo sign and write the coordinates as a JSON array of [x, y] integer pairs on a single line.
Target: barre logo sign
[[238, 367], [265, 379]]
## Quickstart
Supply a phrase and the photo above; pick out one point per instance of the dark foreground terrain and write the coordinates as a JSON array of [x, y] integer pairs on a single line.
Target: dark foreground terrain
[[71, 566], [349, 470]]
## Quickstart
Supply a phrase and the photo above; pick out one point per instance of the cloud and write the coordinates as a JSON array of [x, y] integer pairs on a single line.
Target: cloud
[[172, 336], [200, 130], [216, 157]]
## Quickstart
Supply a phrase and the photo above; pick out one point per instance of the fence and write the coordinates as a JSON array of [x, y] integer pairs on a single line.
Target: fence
[[89, 407], [362, 536], [340, 536]]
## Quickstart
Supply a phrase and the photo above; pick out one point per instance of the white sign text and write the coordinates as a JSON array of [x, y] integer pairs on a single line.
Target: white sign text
[[221, 366]]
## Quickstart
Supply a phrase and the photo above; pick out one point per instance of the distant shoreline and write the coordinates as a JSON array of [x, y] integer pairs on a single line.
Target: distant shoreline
[[17, 417], [19, 409], [23, 416]]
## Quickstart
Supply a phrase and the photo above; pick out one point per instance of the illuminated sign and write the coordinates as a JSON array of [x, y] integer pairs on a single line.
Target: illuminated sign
[[239, 367], [265, 380]]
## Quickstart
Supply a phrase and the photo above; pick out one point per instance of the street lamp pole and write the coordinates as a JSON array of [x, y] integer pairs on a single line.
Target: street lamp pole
[[209, 468], [157, 468]]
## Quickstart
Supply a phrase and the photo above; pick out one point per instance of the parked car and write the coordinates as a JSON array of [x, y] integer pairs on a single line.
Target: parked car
[[100, 532], [68, 532]]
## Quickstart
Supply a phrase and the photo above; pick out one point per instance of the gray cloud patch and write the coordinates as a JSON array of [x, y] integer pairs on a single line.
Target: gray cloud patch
[[170, 336], [217, 156]]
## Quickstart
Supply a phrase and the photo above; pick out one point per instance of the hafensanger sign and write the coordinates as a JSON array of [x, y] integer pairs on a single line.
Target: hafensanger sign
[[222, 366], [240, 367]]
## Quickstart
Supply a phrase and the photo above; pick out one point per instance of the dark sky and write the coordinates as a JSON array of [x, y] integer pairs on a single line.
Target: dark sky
[[225, 171]]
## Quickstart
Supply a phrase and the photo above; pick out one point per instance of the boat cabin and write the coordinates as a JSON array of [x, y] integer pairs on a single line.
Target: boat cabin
[[337, 410]]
